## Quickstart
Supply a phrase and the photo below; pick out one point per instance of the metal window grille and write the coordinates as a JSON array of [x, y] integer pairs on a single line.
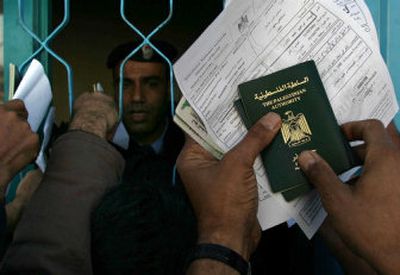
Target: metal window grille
[[44, 47]]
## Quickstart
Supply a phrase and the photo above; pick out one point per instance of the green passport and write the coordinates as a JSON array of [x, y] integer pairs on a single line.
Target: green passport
[[292, 193], [308, 123]]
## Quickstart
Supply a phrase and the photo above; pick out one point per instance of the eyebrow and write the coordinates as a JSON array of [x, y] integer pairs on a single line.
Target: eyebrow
[[151, 77], [117, 80], [145, 78]]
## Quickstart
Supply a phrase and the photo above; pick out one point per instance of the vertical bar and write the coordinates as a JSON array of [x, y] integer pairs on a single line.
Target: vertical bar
[[386, 15], [393, 45], [41, 25], [17, 44], [43, 44]]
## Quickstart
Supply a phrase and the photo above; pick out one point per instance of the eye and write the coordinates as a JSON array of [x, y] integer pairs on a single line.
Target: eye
[[126, 84], [153, 83]]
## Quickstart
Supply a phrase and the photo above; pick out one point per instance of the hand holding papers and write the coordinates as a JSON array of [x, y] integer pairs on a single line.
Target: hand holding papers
[[254, 38]]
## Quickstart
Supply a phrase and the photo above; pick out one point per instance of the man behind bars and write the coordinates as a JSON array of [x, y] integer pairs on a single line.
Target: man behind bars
[[144, 225], [146, 100]]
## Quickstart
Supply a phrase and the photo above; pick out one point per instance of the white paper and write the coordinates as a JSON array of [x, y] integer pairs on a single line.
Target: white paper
[[355, 9], [34, 89], [270, 213], [254, 38], [121, 136], [47, 130], [359, 12]]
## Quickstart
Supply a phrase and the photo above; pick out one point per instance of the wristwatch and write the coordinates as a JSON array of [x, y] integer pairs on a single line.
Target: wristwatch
[[222, 254]]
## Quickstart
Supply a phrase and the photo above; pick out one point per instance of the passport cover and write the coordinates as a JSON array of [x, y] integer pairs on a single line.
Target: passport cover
[[290, 194], [308, 123]]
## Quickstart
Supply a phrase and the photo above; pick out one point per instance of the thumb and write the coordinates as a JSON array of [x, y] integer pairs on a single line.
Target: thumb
[[334, 194], [258, 137]]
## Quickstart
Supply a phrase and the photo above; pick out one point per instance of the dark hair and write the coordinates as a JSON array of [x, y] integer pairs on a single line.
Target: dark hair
[[142, 229], [145, 54]]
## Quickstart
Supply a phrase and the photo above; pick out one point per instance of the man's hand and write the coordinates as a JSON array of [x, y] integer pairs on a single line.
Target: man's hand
[[18, 144], [365, 214], [95, 113], [350, 262], [224, 193]]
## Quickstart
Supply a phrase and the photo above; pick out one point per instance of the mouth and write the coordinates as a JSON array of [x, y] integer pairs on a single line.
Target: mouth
[[137, 116]]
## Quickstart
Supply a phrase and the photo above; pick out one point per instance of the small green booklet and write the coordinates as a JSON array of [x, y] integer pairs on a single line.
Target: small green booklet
[[308, 123]]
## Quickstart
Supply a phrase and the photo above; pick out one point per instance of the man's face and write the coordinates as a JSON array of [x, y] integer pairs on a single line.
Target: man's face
[[145, 99]]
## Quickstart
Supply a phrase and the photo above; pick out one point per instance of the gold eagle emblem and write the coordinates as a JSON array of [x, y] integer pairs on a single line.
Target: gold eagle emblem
[[295, 130]]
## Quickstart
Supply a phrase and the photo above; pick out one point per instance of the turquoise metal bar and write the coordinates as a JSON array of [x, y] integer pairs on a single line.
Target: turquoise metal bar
[[386, 15], [146, 40], [17, 44], [44, 46], [42, 13]]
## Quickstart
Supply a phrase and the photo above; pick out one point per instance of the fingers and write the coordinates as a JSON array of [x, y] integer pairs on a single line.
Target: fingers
[[360, 150], [258, 137], [371, 131], [25, 152], [333, 192], [18, 106], [191, 150], [90, 100], [95, 113]]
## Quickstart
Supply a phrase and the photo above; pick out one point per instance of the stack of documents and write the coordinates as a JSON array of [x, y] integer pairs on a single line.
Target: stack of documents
[[253, 38]]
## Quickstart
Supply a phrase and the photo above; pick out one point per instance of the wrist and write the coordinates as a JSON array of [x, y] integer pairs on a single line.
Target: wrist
[[237, 240], [219, 258]]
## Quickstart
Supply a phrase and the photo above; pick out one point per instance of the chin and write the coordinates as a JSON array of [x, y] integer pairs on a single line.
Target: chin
[[140, 129]]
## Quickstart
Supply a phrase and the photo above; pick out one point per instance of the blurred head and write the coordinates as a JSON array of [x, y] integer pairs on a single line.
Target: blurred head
[[145, 88], [142, 229]]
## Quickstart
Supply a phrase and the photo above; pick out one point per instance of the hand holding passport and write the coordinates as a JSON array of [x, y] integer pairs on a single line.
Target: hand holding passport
[[308, 123]]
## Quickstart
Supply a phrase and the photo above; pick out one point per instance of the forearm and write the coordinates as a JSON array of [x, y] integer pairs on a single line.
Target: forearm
[[55, 229]]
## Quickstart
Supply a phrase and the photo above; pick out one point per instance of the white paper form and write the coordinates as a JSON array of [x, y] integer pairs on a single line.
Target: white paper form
[[357, 80], [280, 35], [359, 11], [254, 38]]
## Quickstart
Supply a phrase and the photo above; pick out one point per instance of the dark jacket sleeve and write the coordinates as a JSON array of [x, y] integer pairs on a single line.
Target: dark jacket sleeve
[[53, 236]]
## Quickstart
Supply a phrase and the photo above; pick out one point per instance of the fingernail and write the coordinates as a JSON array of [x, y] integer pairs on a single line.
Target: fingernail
[[307, 159], [271, 121]]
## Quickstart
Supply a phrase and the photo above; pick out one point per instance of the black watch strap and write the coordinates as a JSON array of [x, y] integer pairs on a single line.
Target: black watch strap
[[222, 254]]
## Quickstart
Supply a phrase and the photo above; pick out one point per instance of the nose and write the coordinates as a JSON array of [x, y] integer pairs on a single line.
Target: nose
[[136, 93]]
